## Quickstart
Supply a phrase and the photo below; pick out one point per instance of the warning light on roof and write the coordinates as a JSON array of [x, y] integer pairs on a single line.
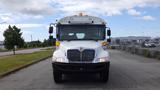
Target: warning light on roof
[[80, 14]]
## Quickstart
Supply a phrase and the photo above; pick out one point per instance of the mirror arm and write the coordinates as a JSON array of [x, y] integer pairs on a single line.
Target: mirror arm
[[54, 24], [108, 28]]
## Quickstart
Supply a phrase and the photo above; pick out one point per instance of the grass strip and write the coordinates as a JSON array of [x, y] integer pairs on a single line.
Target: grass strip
[[12, 62]]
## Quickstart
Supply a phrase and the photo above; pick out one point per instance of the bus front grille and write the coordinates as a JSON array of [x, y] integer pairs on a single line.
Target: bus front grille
[[85, 55]]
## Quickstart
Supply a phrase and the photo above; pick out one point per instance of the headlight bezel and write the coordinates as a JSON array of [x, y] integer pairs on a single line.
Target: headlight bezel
[[59, 59], [63, 60], [102, 59]]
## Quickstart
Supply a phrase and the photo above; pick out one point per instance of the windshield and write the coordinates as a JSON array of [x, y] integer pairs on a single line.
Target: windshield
[[81, 32]]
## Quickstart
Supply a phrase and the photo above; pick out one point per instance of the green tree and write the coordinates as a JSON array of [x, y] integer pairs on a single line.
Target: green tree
[[13, 37], [49, 42]]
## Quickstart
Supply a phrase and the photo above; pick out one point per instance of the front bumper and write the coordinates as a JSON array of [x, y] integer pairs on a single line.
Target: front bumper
[[80, 67]]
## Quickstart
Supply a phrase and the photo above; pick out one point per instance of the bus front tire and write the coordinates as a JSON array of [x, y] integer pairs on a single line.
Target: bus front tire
[[57, 76]]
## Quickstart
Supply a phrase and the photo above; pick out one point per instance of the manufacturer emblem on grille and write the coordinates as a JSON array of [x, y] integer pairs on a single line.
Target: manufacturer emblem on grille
[[81, 49]]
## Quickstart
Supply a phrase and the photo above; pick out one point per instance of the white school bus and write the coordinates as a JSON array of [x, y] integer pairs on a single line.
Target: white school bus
[[81, 46]]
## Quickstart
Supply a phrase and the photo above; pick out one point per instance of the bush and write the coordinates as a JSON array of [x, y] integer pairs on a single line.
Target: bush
[[123, 48], [154, 54], [137, 51], [146, 53], [129, 49], [113, 47], [158, 55], [133, 50]]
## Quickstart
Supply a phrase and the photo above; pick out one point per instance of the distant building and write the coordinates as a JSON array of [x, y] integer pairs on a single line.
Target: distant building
[[1, 45], [132, 39], [156, 39]]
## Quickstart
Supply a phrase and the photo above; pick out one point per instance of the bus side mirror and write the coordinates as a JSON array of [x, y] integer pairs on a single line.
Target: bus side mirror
[[57, 35], [108, 32], [50, 29], [109, 40]]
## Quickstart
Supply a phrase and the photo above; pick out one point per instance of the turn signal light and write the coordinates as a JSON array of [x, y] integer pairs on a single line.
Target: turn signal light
[[104, 43], [57, 43]]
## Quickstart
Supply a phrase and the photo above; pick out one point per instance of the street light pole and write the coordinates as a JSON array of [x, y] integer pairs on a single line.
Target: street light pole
[[31, 38]]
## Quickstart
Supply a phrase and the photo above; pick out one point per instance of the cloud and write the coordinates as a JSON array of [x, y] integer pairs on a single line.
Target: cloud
[[37, 9], [1, 36], [133, 12], [38, 16], [139, 15], [103, 7], [27, 32], [16, 17], [6, 17], [148, 18], [13, 11], [22, 26], [33, 7]]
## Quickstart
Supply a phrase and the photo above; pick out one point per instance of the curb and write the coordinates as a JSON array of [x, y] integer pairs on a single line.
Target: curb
[[22, 67]]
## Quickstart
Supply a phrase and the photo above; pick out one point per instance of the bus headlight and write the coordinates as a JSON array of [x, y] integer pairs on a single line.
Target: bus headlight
[[59, 59], [103, 59]]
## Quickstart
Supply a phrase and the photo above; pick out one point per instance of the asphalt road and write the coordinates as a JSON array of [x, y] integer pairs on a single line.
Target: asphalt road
[[21, 51], [127, 72]]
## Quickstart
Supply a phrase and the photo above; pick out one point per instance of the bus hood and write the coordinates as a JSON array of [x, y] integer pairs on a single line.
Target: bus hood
[[65, 45], [61, 51]]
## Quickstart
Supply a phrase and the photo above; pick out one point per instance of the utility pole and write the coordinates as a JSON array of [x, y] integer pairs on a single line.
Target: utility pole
[[14, 44]]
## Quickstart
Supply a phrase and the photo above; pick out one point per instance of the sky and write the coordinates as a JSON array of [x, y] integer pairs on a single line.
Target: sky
[[124, 17]]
